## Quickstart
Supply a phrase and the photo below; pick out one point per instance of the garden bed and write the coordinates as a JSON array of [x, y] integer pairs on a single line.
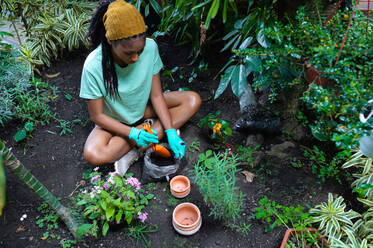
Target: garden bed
[[57, 161]]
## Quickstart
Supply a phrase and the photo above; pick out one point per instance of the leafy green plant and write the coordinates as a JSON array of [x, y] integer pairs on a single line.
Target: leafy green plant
[[146, 4], [334, 221], [276, 215], [138, 232], [65, 127], [215, 175], [219, 129], [305, 44], [113, 199], [338, 224], [48, 218], [67, 243], [363, 175], [169, 73], [195, 146], [50, 26], [323, 167], [32, 105], [245, 154], [27, 129], [182, 18]]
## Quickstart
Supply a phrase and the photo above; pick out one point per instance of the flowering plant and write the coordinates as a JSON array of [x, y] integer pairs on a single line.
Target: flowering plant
[[220, 128], [112, 199]]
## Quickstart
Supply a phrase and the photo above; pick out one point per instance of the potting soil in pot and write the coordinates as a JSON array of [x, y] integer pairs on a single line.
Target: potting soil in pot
[[161, 161], [157, 168]]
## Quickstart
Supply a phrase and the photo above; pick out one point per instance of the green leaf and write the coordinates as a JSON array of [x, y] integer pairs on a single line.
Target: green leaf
[[128, 217], [238, 81], [118, 216], [225, 11], [29, 126], [83, 229], [262, 40], [246, 42], [68, 97], [20, 135], [82, 202], [224, 81], [109, 213], [105, 228], [150, 196], [253, 63], [155, 6]]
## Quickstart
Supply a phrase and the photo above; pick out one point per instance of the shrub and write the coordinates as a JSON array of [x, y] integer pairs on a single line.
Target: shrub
[[215, 176], [304, 42]]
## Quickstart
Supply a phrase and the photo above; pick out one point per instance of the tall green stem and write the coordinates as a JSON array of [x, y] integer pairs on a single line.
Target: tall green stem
[[10, 161]]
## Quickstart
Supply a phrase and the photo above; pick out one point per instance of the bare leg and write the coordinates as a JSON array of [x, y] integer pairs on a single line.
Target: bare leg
[[102, 147]]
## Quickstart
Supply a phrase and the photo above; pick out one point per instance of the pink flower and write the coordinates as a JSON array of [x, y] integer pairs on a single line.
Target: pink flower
[[95, 169], [143, 216], [95, 178], [106, 185], [133, 182], [128, 198]]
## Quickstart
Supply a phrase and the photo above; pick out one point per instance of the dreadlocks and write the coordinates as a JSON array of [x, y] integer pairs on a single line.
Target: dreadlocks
[[96, 35]]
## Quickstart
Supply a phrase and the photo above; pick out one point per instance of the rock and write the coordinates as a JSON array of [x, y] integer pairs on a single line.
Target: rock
[[254, 140], [257, 156], [278, 150]]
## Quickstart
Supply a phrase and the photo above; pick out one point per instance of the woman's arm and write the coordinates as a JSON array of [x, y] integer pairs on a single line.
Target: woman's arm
[[159, 104], [96, 112]]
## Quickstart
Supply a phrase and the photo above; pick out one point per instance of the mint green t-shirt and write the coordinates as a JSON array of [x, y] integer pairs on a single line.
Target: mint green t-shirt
[[134, 83]]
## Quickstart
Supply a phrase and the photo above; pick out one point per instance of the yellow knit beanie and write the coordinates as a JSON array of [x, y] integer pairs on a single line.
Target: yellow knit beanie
[[122, 20]]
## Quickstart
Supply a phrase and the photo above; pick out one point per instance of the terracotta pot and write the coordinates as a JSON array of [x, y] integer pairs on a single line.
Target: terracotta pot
[[291, 231], [315, 76], [180, 186], [186, 218]]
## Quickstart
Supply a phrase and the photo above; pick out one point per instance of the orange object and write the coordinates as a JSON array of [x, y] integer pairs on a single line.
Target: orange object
[[160, 150]]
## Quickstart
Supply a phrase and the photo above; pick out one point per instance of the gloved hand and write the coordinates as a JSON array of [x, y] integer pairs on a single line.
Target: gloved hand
[[177, 145], [142, 137]]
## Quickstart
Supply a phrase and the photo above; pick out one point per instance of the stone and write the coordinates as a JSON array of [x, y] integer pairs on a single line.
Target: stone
[[254, 140]]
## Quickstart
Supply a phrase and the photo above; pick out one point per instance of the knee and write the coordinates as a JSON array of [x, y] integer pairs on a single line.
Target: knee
[[194, 100], [92, 157]]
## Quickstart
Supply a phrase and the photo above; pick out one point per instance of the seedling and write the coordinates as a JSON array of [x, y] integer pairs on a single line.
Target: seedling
[[68, 97], [49, 218], [194, 146], [202, 66], [169, 73], [193, 75], [26, 131], [138, 232], [65, 126]]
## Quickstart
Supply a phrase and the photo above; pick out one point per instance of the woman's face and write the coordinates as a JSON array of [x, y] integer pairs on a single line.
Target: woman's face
[[127, 52]]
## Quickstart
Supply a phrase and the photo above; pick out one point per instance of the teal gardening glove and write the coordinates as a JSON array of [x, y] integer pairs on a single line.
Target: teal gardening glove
[[177, 145], [142, 137]]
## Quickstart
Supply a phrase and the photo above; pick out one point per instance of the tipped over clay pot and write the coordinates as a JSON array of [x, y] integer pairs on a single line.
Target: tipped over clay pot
[[186, 218], [180, 186]]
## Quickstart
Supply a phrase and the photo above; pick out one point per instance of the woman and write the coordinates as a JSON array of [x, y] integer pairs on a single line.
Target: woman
[[121, 83]]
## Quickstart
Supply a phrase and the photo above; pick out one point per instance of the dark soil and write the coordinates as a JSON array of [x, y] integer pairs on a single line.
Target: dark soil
[[58, 163]]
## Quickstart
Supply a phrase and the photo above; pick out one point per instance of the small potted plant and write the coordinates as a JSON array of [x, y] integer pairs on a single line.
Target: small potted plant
[[219, 129], [299, 233], [111, 200]]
